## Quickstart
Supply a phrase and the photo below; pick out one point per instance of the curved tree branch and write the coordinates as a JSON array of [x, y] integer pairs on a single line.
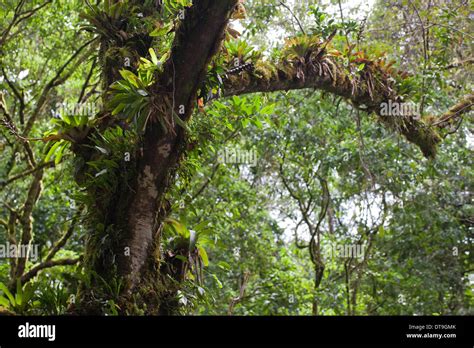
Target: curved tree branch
[[47, 264], [462, 107], [365, 95]]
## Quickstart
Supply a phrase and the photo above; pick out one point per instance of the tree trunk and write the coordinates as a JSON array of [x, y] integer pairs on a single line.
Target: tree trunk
[[318, 277], [125, 266]]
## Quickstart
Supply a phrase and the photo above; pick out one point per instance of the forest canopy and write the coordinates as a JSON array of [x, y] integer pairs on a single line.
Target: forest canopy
[[236, 157]]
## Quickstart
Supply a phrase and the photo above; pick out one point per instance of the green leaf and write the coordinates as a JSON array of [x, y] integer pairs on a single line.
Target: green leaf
[[381, 231], [219, 105], [203, 254], [229, 126], [7, 292], [236, 100], [178, 227], [69, 120], [247, 109], [182, 258], [52, 150], [160, 31], [130, 77], [203, 225], [224, 265], [219, 283], [59, 153], [258, 123], [268, 110], [4, 302], [154, 58], [118, 109], [146, 61]]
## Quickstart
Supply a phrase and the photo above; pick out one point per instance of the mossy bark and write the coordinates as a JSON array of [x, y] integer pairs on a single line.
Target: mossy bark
[[123, 261], [367, 93]]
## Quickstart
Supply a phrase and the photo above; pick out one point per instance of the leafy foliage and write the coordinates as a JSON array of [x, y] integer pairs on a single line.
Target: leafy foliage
[[237, 238]]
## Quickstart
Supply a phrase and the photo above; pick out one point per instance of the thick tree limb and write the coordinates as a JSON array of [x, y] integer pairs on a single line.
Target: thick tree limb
[[462, 107], [47, 264], [197, 40], [361, 95], [460, 64], [25, 218]]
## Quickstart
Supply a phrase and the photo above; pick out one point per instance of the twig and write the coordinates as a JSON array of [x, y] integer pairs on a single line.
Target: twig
[[294, 16], [26, 173], [63, 240], [19, 17], [54, 82]]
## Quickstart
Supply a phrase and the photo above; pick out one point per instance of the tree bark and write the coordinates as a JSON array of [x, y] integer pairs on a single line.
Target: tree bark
[[132, 218]]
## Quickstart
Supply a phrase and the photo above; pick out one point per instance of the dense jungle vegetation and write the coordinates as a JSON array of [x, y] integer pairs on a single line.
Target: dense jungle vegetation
[[236, 157]]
